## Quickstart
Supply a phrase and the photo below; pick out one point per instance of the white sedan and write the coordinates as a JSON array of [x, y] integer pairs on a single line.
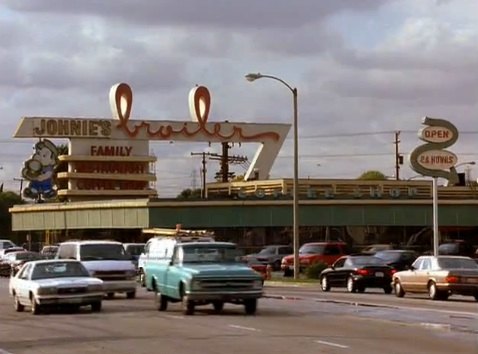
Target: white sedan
[[43, 283]]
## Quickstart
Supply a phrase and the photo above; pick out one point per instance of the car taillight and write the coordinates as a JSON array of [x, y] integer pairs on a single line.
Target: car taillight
[[362, 272], [393, 271], [452, 279]]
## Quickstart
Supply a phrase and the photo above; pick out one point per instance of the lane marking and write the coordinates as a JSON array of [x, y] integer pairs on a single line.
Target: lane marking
[[442, 326], [332, 344], [169, 316], [252, 329], [4, 351]]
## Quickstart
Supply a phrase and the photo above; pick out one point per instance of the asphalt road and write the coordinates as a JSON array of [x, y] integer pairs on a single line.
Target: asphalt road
[[289, 320]]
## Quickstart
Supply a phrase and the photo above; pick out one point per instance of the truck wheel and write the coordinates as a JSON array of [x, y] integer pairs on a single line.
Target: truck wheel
[[110, 295], [96, 306], [250, 306], [131, 294], [161, 301], [218, 306], [188, 306], [142, 278]]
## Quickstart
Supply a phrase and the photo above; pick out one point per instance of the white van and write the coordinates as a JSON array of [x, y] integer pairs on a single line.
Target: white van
[[106, 260]]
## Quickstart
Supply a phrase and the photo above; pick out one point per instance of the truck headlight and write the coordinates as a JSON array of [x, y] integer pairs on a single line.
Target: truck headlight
[[195, 285], [47, 290], [257, 284]]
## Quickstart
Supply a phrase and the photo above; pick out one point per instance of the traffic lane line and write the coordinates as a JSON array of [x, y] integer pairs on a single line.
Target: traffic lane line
[[469, 315], [252, 329], [332, 344]]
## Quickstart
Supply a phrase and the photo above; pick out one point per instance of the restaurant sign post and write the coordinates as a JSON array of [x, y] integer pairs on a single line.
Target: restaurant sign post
[[431, 159]]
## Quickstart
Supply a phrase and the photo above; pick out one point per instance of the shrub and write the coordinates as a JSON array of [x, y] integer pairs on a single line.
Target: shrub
[[313, 271]]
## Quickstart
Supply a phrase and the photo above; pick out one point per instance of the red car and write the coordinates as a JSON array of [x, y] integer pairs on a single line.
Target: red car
[[314, 252]]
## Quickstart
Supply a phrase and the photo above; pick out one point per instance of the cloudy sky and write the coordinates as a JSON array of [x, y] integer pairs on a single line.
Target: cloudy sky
[[363, 69]]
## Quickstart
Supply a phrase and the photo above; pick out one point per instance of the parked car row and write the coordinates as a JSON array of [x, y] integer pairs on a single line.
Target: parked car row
[[439, 276]]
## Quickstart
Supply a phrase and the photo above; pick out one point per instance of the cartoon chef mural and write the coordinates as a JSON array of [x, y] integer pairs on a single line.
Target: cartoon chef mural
[[39, 170]]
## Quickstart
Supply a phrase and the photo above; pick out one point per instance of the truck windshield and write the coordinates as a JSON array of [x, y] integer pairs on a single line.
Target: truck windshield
[[201, 253], [105, 251]]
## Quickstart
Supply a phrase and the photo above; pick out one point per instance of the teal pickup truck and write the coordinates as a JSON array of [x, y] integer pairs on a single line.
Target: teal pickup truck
[[196, 272]]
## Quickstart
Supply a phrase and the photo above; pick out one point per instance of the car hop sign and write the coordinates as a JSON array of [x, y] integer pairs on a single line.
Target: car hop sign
[[432, 159]]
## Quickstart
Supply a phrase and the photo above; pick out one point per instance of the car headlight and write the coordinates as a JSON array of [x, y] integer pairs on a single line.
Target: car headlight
[[95, 287], [257, 284], [47, 290], [195, 284], [131, 273]]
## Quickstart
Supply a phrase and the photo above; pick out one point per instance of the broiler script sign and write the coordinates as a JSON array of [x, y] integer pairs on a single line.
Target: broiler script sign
[[112, 155]]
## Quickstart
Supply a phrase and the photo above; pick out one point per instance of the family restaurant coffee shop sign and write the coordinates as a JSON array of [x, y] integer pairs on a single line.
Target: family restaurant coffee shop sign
[[431, 159]]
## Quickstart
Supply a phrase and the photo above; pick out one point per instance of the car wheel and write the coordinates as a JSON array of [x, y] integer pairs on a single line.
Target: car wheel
[[16, 303], [110, 295], [288, 272], [131, 294], [433, 292], [161, 301], [276, 265], [250, 306], [351, 285], [35, 307], [476, 296], [361, 289], [142, 278], [96, 306], [324, 284], [218, 306], [399, 292], [387, 289]]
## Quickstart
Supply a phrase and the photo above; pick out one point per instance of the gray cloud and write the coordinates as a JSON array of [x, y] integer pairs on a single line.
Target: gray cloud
[[208, 13]]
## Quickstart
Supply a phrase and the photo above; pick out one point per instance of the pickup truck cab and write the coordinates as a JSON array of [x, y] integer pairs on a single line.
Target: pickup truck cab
[[197, 271], [314, 252]]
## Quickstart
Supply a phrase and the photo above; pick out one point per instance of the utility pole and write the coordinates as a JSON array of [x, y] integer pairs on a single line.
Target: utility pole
[[21, 185], [203, 171], [398, 157], [226, 159]]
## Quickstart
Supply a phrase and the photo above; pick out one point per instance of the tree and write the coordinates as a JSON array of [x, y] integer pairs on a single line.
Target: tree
[[190, 194], [7, 200], [373, 175]]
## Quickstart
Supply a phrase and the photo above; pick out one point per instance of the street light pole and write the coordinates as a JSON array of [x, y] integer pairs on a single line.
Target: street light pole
[[252, 77]]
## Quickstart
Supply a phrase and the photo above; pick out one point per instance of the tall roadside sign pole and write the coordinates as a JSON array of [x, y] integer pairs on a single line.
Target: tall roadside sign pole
[[431, 159]]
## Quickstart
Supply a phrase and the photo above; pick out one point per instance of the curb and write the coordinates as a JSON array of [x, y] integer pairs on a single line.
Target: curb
[[283, 297]]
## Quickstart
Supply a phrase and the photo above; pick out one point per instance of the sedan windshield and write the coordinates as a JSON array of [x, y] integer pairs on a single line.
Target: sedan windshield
[[311, 249], [267, 251], [30, 256], [210, 253], [457, 263], [59, 270], [105, 251], [367, 261]]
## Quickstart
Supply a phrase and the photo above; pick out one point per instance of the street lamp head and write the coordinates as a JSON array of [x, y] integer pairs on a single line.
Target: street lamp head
[[253, 76]]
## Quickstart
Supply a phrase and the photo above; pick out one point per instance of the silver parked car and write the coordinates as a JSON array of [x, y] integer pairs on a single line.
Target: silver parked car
[[271, 254]]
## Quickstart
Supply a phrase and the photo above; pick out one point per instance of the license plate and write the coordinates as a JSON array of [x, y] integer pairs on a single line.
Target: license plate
[[472, 280], [379, 274]]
